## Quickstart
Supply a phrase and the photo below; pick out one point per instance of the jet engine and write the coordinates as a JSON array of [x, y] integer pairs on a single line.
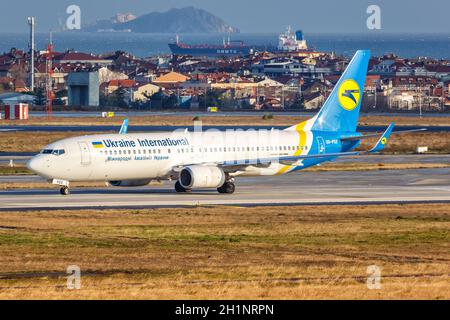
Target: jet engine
[[198, 176], [129, 183]]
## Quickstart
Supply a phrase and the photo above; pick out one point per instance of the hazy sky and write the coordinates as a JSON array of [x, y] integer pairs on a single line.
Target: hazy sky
[[323, 16]]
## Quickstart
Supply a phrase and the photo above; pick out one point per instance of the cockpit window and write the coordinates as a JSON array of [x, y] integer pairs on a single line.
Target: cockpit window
[[56, 152]]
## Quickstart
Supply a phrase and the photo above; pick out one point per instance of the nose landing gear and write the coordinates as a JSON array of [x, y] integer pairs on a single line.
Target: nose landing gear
[[64, 184]]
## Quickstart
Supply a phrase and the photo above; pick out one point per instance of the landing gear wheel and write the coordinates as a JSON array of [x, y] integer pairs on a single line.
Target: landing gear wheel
[[228, 187], [65, 191], [179, 188]]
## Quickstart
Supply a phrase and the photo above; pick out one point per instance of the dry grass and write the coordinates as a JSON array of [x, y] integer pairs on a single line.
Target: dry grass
[[228, 252], [31, 142], [181, 120], [437, 142]]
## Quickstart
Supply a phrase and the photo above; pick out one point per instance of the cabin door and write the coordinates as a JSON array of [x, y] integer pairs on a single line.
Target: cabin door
[[320, 145], [85, 153]]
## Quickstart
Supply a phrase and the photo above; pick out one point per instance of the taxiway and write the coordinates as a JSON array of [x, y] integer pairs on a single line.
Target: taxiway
[[302, 188]]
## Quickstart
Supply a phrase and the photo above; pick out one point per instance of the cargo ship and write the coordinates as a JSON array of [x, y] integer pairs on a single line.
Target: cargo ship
[[287, 42], [228, 48]]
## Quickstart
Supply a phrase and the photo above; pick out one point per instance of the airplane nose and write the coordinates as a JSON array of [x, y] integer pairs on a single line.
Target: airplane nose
[[32, 164], [37, 165]]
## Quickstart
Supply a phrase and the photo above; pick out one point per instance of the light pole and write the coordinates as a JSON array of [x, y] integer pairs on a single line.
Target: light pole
[[32, 22], [420, 102]]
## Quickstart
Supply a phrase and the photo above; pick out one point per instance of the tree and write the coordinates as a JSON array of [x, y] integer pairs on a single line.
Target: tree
[[159, 100], [211, 99], [120, 97], [115, 99], [40, 99]]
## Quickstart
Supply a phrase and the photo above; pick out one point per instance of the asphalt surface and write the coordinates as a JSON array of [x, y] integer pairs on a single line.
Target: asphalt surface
[[302, 188], [141, 128]]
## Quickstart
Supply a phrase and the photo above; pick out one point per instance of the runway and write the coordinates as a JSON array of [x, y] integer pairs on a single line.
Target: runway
[[302, 188], [145, 128]]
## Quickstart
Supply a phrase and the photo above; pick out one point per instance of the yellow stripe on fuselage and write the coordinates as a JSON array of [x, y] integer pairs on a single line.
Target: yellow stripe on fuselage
[[302, 143]]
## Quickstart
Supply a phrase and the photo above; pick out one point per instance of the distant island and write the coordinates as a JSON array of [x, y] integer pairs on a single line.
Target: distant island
[[184, 20]]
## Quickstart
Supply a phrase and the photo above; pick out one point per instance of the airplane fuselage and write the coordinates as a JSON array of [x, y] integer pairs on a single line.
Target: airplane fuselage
[[113, 157]]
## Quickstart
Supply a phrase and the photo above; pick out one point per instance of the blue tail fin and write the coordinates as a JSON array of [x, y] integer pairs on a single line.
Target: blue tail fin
[[341, 110]]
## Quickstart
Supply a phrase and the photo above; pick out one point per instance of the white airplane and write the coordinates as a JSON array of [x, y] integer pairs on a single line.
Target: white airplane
[[213, 159]]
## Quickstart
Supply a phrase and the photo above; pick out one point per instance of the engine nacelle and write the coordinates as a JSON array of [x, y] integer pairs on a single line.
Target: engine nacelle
[[199, 176], [130, 183]]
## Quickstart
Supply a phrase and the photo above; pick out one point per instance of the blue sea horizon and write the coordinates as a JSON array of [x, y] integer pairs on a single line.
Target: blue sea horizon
[[144, 45]]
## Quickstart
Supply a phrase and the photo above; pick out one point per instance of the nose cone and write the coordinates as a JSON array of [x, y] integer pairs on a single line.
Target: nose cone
[[38, 165]]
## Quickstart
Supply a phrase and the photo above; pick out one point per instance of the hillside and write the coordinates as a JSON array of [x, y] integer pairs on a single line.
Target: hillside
[[184, 20]]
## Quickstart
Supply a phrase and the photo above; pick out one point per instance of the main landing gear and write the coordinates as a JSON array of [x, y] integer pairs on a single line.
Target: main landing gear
[[179, 188], [228, 187], [65, 191]]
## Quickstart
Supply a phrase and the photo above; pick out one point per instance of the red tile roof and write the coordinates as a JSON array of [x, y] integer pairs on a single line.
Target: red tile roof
[[438, 68], [126, 83], [77, 56]]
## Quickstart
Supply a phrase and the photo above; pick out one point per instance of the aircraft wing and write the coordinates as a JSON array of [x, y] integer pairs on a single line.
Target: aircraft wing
[[235, 165], [283, 159], [373, 135], [380, 145]]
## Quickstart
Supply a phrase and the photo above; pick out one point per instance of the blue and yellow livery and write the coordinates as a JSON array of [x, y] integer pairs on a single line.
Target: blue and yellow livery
[[98, 144]]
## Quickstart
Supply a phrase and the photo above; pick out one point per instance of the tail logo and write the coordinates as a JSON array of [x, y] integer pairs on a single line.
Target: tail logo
[[349, 94]]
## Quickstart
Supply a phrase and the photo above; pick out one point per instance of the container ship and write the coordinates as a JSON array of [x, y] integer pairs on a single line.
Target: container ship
[[287, 42], [228, 48]]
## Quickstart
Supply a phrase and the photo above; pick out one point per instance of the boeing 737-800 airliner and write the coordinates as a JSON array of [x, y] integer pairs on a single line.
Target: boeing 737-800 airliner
[[213, 159]]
